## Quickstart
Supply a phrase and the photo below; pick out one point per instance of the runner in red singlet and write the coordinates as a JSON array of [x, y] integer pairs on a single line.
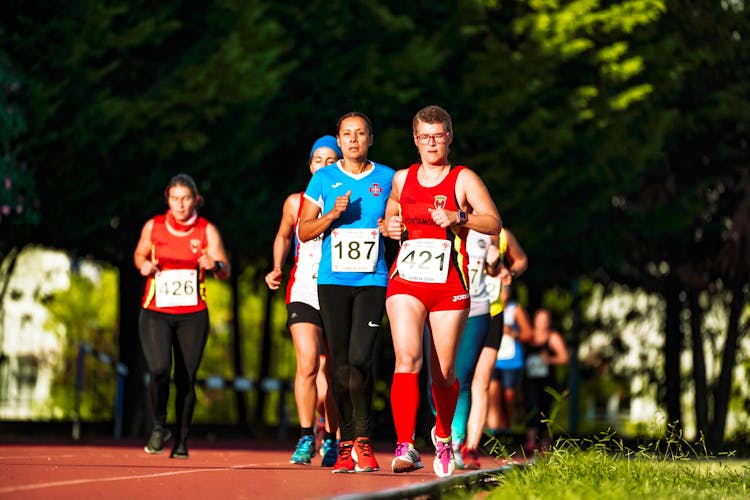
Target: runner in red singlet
[[174, 252], [432, 206]]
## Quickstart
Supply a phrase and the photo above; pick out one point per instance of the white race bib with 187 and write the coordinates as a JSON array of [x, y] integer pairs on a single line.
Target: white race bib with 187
[[354, 250], [425, 260], [176, 287]]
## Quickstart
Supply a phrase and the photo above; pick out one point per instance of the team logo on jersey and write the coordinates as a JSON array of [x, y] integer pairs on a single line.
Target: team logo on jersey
[[195, 245], [375, 189], [482, 244], [440, 200]]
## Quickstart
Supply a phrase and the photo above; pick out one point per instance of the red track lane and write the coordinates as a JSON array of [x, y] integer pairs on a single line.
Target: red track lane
[[230, 470]]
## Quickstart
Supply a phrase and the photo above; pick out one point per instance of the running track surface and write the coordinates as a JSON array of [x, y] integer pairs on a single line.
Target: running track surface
[[231, 470]]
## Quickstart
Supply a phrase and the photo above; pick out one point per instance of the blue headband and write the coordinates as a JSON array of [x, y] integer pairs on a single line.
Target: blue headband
[[327, 141]]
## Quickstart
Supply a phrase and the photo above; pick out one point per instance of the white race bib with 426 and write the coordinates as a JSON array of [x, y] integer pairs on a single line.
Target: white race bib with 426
[[354, 250], [426, 260], [176, 287]]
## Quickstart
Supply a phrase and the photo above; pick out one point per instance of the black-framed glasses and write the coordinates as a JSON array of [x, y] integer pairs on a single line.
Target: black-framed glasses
[[438, 138]]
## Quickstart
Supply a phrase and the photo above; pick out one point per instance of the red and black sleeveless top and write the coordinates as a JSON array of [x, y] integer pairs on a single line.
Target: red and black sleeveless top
[[173, 250], [415, 202]]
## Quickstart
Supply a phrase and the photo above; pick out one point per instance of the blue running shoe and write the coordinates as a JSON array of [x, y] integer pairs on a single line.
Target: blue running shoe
[[304, 452], [330, 451]]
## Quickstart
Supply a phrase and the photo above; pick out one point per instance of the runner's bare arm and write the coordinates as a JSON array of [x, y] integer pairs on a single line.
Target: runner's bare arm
[[283, 241]]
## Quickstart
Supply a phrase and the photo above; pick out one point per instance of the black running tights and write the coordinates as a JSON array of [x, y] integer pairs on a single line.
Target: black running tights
[[186, 335], [351, 319]]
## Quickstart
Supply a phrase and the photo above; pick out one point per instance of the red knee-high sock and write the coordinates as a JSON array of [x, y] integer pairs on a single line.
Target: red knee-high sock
[[404, 405], [445, 399]]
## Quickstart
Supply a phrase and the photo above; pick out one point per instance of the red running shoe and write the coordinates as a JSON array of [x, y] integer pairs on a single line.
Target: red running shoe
[[345, 462], [470, 458], [363, 456]]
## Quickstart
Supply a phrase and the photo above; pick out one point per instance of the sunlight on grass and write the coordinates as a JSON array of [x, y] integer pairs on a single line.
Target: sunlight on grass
[[605, 468], [575, 473]]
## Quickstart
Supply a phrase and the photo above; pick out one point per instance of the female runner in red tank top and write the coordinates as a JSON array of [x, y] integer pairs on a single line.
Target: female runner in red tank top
[[432, 206], [174, 252]]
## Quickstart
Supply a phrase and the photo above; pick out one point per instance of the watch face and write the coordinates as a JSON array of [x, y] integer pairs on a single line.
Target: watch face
[[462, 217]]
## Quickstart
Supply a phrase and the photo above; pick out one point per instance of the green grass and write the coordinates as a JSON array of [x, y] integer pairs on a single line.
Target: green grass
[[574, 474], [605, 469]]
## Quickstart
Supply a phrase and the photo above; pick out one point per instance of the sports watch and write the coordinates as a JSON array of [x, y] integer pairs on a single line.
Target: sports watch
[[463, 218]]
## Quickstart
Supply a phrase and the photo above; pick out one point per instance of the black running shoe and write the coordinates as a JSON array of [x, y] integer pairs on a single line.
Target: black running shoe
[[180, 450], [155, 444]]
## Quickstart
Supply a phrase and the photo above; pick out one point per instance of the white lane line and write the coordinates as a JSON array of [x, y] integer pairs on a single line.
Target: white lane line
[[72, 482]]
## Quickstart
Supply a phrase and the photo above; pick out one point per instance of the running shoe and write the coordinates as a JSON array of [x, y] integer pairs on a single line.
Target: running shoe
[[444, 464], [180, 449], [330, 452], [363, 456], [155, 444], [320, 430], [469, 458], [407, 458], [344, 462], [305, 451], [457, 455]]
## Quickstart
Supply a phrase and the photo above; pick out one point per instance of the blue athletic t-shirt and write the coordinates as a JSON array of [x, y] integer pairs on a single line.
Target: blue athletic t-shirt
[[353, 252]]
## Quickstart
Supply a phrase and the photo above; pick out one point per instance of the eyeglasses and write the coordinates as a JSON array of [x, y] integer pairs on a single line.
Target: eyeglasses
[[438, 138]]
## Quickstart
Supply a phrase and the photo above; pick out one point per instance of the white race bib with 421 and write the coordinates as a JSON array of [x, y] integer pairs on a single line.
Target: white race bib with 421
[[425, 260], [354, 250], [176, 287]]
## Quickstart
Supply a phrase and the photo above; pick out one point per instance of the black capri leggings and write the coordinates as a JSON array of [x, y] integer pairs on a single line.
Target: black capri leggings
[[351, 319], [160, 334]]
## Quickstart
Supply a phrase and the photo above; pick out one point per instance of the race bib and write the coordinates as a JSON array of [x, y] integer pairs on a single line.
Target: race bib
[[536, 367], [425, 260], [476, 276], [176, 287], [354, 250], [507, 348], [492, 285]]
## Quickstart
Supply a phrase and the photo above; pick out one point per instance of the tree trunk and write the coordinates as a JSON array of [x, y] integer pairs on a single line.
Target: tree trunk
[[574, 377], [699, 363], [672, 350], [729, 361], [131, 354], [237, 350], [265, 358]]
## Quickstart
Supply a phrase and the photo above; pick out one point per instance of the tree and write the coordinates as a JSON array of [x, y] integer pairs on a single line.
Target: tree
[[127, 96], [18, 204]]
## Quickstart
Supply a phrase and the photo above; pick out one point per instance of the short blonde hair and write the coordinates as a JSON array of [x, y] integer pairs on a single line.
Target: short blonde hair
[[433, 114]]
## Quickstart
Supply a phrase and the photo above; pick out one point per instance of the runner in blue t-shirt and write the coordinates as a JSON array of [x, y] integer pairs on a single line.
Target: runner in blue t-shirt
[[346, 202]]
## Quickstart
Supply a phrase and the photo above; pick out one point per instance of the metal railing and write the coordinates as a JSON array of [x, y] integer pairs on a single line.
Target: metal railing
[[211, 382], [121, 372]]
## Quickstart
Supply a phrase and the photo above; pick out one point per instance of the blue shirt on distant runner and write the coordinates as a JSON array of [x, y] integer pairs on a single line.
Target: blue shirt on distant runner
[[353, 252]]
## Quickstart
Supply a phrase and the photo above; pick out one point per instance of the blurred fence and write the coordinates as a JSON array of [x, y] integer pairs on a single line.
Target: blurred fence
[[211, 382], [121, 371]]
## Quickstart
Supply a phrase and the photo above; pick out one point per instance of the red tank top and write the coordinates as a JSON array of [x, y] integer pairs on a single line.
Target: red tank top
[[415, 202], [180, 283]]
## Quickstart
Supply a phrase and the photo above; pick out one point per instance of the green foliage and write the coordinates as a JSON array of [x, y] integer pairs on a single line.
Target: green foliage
[[217, 406], [86, 312], [18, 187]]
